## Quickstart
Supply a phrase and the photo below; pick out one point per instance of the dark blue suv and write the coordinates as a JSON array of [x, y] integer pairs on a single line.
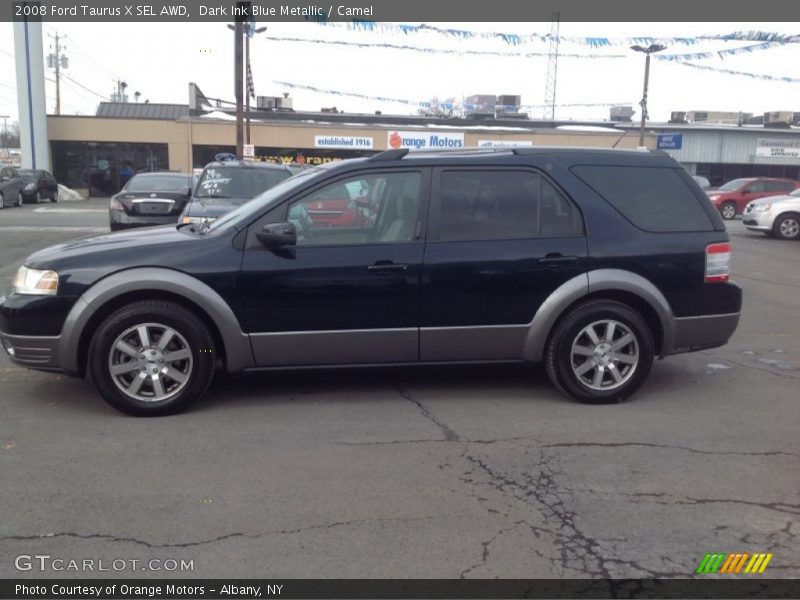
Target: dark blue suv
[[593, 261]]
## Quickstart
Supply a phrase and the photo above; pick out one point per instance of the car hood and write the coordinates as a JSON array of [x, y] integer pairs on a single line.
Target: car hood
[[123, 241], [212, 207]]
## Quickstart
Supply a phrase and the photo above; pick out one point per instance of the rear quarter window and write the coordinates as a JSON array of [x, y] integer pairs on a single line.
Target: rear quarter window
[[652, 198]]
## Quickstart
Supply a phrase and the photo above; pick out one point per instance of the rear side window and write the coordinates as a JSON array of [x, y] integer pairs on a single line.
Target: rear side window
[[492, 205], [652, 198]]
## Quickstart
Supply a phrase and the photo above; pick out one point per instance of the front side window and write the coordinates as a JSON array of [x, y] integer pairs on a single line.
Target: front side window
[[369, 208]]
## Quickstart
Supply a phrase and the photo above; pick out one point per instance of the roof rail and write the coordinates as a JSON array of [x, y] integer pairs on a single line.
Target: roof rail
[[394, 154]]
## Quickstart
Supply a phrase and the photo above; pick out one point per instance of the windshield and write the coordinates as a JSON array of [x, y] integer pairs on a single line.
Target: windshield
[[733, 185], [237, 182], [158, 183], [255, 207]]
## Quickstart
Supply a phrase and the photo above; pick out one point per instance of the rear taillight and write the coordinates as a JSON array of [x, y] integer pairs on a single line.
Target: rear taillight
[[116, 204], [718, 262]]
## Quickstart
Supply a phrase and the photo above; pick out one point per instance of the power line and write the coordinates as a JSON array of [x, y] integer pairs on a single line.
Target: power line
[[101, 96]]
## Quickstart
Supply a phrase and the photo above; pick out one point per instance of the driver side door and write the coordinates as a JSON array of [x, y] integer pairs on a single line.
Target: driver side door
[[348, 292]]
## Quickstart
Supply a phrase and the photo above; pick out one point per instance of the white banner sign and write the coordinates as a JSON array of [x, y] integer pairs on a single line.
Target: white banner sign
[[504, 143], [774, 148], [343, 141], [419, 140], [248, 151]]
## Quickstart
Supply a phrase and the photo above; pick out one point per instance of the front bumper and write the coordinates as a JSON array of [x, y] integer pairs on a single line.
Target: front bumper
[[758, 221], [35, 352]]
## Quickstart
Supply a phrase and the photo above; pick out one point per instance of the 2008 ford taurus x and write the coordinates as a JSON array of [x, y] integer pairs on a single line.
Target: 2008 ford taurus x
[[593, 261]]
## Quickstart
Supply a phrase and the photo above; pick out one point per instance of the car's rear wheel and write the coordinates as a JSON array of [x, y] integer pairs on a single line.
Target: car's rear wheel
[[151, 358], [787, 227], [600, 352], [728, 211], [55, 197], [20, 200], [2, 201], [38, 197]]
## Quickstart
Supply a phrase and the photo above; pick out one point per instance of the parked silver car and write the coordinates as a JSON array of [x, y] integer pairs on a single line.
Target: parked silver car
[[777, 216], [11, 185]]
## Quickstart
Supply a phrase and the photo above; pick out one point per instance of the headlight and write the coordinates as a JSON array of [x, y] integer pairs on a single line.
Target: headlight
[[30, 187], [36, 282], [761, 207], [198, 220]]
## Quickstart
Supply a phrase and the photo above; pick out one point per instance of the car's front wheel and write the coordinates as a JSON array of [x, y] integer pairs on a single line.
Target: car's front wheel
[[151, 358], [600, 352], [20, 200], [2, 201], [728, 211], [787, 227]]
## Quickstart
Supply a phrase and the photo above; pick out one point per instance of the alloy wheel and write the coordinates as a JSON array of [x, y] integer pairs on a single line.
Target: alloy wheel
[[604, 355], [728, 211], [789, 227], [150, 362]]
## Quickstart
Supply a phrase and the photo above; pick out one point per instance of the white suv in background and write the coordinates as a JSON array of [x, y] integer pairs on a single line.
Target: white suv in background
[[777, 216]]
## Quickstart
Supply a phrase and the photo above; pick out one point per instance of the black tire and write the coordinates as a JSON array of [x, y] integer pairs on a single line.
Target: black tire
[[728, 211], [787, 227], [20, 200], [192, 335], [54, 198], [559, 357], [2, 202], [38, 198]]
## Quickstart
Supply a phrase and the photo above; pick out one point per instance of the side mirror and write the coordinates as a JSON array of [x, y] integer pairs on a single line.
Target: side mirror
[[275, 235], [362, 201]]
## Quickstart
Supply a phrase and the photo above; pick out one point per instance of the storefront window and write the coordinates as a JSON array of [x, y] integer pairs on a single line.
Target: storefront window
[[104, 167]]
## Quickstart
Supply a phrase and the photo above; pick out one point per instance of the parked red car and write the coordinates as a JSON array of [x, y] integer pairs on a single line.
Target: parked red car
[[731, 198], [338, 206]]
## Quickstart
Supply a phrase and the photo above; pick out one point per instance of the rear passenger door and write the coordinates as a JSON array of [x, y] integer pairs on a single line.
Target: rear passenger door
[[500, 241]]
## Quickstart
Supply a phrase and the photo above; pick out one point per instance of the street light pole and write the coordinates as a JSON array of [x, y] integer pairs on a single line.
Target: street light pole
[[652, 48]]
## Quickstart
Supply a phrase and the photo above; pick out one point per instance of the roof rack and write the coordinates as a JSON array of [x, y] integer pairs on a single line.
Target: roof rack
[[394, 154]]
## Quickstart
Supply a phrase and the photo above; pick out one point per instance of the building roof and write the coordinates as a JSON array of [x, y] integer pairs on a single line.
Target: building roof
[[140, 110]]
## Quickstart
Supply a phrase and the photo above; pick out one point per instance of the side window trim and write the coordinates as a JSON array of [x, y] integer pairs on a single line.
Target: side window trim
[[435, 209]]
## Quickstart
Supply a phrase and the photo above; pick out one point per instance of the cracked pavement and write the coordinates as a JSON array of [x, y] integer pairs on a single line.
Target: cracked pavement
[[474, 472]]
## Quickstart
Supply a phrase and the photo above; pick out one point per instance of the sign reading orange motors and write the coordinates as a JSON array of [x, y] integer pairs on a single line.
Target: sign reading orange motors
[[425, 139]]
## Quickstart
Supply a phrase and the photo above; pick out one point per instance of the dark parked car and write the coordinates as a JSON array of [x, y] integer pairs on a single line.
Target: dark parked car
[[37, 185], [150, 199], [10, 187], [592, 261], [731, 198], [225, 185]]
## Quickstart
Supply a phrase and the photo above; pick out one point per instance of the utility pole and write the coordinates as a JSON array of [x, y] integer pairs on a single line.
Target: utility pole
[[238, 30], [57, 62], [251, 31]]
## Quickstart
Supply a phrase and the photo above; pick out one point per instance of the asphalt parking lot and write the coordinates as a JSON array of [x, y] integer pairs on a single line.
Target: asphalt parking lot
[[460, 472]]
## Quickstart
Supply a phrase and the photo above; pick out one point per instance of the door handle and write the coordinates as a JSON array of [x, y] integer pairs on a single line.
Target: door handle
[[386, 266], [557, 259]]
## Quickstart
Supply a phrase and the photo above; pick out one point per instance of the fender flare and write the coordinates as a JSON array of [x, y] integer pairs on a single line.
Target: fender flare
[[237, 343], [589, 283]]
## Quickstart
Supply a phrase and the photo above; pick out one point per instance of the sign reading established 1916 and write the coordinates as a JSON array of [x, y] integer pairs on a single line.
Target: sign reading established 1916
[[669, 141]]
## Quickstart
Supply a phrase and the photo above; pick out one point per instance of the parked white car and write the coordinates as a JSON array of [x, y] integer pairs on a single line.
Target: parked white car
[[777, 216]]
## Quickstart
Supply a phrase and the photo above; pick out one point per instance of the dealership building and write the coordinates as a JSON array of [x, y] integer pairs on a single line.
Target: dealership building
[[89, 152]]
